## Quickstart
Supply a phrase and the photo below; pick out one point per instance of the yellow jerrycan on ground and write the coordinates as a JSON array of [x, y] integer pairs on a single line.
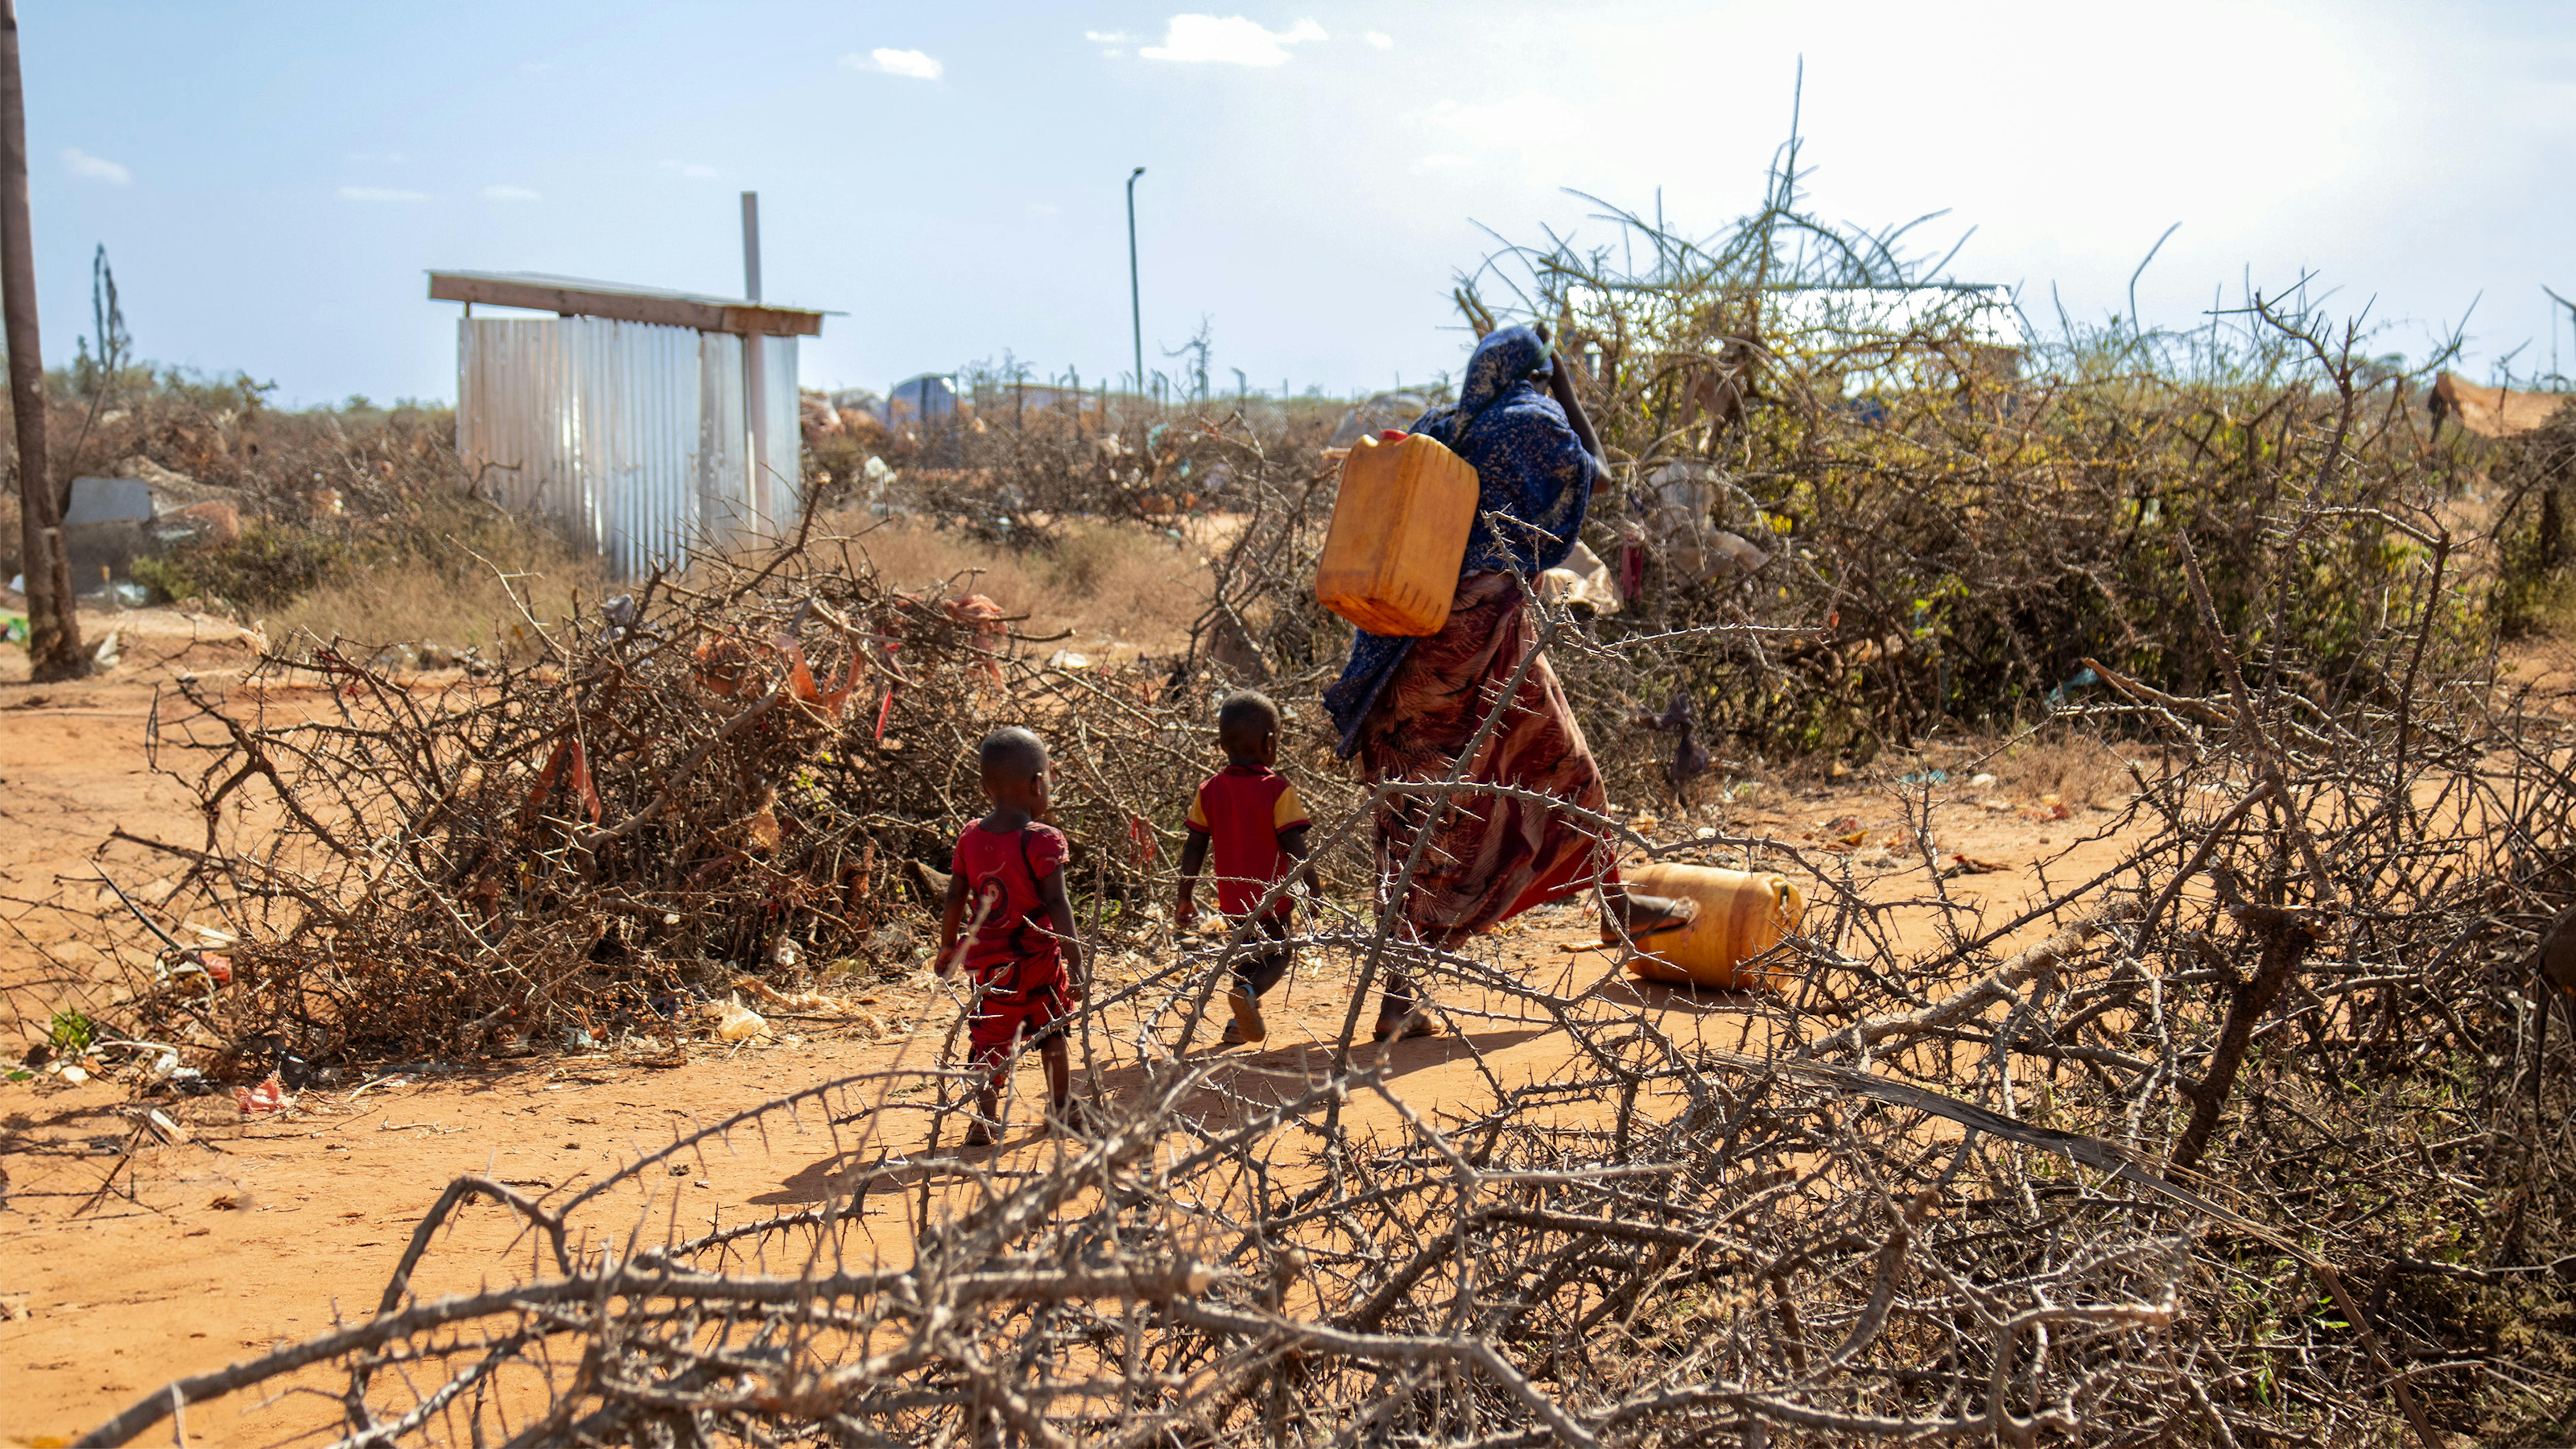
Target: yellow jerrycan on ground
[[1741, 915], [1399, 533]]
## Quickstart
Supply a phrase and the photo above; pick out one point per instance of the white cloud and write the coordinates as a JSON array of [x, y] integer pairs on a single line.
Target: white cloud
[[695, 171], [1380, 39], [94, 168], [1233, 40], [510, 193], [1114, 42], [380, 193], [910, 64]]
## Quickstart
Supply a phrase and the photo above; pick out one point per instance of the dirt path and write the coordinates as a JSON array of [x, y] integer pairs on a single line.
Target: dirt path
[[127, 1259]]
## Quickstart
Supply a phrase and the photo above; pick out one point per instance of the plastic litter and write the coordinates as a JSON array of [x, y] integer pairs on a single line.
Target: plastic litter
[[269, 1096], [737, 1022]]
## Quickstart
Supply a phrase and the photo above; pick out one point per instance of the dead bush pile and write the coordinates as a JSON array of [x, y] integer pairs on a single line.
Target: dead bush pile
[[1014, 461], [1811, 430], [1663, 1247], [352, 520], [688, 784]]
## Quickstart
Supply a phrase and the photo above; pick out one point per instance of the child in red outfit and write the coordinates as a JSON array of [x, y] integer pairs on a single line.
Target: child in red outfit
[[1250, 817], [1019, 947]]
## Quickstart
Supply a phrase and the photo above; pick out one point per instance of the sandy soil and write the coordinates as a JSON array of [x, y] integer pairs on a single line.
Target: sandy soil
[[131, 1254]]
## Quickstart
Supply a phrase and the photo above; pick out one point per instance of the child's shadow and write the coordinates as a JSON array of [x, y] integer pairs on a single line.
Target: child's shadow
[[1259, 1080], [868, 1181], [1281, 1071]]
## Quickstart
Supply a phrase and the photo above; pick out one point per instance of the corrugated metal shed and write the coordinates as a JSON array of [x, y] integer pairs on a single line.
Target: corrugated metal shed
[[633, 435]]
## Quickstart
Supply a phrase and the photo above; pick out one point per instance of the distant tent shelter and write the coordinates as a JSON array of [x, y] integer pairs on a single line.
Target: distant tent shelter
[[633, 417], [2490, 412]]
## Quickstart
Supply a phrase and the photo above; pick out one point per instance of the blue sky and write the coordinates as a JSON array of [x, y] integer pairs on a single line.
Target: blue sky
[[272, 180]]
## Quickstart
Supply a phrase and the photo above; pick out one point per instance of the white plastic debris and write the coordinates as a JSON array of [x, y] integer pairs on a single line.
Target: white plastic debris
[[737, 1022]]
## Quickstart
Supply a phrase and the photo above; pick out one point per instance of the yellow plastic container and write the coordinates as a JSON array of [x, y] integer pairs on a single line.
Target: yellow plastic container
[[1741, 915], [1400, 523]]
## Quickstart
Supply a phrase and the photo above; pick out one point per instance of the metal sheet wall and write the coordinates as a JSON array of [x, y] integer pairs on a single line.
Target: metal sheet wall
[[629, 435]]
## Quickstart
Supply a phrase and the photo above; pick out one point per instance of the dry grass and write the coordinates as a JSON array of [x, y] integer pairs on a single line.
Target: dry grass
[[2077, 767], [1110, 583], [412, 602], [459, 600]]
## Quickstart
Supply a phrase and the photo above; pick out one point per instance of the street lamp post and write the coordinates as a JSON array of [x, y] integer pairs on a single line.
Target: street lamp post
[[1135, 298]]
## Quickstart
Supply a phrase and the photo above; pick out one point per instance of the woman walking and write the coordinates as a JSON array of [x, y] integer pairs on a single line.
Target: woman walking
[[1410, 708]]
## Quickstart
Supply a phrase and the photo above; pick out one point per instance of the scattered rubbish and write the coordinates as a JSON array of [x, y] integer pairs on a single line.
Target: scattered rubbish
[[1981, 782], [1924, 777], [15, 629], [810, 1002], [1970, 865], [73, 1075], [108, 653], [735, 1021], [2082, 678], [269, 1096], [1067, 659]]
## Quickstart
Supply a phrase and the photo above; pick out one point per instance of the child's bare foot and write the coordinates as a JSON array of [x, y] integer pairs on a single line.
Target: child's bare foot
[[1247, 1025], [1414, 1023], [1070, 1118], [977, 1135]]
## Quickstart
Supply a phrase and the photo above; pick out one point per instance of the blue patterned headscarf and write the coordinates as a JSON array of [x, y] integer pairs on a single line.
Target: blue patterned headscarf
[[1533, 483]]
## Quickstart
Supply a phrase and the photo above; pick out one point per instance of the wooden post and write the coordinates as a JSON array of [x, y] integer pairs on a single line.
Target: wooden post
[[755, 365], [53, 625]]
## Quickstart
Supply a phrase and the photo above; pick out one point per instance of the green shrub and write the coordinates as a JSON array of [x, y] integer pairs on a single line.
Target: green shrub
[[269, 565]]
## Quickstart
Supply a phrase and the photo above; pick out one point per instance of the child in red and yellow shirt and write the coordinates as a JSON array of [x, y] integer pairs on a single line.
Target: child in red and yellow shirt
[[1019, 948], [1250, 817]]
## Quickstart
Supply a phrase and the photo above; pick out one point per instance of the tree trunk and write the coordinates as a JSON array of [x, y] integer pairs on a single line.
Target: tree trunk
[[53, 628]]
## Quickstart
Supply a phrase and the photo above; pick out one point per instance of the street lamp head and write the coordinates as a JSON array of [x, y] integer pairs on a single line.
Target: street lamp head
[[1132, 175]]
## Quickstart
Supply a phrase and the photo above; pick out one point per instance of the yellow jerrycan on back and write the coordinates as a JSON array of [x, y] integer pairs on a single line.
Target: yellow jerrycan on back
[[1399, 533], [1741, 915]]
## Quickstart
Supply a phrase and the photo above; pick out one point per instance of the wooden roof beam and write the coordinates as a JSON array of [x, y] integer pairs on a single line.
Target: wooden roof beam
[[669, 309]]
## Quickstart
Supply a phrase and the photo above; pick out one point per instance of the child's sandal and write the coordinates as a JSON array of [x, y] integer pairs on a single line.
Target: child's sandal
[[1247, 1027]]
